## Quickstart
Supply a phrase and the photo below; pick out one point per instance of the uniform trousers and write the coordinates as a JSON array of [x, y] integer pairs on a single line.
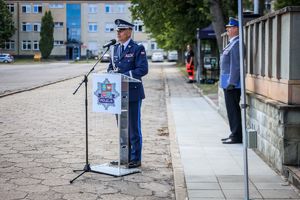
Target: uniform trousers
[[135, 132], [232, 101]]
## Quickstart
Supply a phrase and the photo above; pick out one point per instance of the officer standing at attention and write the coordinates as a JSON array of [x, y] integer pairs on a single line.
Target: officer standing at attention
[[230, 82], [129, 58]]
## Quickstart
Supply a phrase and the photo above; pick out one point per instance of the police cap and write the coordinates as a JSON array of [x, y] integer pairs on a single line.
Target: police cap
[[232, 22], [122, 24]]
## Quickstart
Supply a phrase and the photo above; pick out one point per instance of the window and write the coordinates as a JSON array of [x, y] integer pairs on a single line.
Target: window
[[153, 45], [58, 43], [93, 27], [92, 8], [26, 27], [107, 8], [37, 27], [138, 26], [114, 8], [56, 5], [58, 24], [10, 45], [109, 27], [37, 9], [11, 7], [36, 45], [93, 47], [26, 8], [26, 45], [120, 8]]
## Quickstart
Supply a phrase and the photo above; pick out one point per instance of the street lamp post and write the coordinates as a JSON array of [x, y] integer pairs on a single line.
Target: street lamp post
[[243, 101]]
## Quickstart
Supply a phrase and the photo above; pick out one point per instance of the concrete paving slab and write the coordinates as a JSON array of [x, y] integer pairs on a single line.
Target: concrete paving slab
[[206, 161]]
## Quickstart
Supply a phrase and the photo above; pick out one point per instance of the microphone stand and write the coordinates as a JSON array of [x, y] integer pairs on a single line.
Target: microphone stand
[[87, 167]]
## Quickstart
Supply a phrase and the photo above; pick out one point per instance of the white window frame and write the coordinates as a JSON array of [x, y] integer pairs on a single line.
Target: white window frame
[[11, 7], [93, 27], [27, 8], [38, 25], [120, 8], [58, 24], [27, 43], [109, 7], [154, 44], [109, 27], [10, 44], [37, 6], [138, 24], [36, 45], [56, 5], [58, 43], [93, 47], [28, 27], [93, 8]]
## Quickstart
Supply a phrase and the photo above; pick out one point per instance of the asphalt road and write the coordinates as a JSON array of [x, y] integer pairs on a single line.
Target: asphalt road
[[18, 77]]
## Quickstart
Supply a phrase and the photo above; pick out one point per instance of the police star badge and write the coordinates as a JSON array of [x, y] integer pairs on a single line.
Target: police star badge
[[106, 93]]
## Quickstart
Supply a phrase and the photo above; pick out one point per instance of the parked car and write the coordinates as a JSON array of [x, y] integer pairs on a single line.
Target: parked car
[[172, 56], [6, 58], [157, 57], [106, 58]]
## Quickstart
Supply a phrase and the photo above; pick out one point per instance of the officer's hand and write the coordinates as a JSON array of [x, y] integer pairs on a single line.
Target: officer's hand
[[230, 87], [117, 70]]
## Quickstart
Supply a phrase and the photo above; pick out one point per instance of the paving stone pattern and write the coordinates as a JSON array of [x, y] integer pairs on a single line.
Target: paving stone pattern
[[42, 139]]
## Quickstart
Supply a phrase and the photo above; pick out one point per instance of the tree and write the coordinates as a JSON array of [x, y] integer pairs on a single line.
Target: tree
[[219, 13], [7, 28], [172, 23], [283, 3], [46, 34]]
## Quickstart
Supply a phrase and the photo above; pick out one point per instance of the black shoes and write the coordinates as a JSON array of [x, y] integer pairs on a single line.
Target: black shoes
[[191, 81], [134, 164], [115, 162], [224, 139], [131, 164], [232, 141]]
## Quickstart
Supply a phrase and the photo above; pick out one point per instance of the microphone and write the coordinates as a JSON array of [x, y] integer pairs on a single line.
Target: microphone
[[111, 42]]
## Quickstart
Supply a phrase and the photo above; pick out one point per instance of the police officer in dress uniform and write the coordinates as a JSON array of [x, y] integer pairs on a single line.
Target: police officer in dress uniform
[[230, 82], [129, 58]]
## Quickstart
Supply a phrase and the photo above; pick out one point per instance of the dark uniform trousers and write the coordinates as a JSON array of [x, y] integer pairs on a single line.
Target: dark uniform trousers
[[232, 100], [135, 133], [133, 62]]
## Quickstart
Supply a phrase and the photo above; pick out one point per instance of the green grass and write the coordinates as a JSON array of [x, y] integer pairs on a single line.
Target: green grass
[[207, 89]]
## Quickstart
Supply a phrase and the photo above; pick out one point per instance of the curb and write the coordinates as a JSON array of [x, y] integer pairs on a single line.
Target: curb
[[209, 101], [178, 172], [42, 85], [36, 87]]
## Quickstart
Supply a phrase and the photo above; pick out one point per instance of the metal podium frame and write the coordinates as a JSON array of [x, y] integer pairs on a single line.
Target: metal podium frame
[[122, 121]]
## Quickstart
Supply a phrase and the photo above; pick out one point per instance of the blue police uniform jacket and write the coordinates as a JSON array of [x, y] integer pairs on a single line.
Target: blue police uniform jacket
[[132, 62], [230, 65]]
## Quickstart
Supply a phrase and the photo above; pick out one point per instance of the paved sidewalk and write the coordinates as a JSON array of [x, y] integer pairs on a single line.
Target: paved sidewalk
[[42, 139], [213, 170]]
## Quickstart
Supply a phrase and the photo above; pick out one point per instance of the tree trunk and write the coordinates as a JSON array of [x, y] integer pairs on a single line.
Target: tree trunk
[[217, 21]]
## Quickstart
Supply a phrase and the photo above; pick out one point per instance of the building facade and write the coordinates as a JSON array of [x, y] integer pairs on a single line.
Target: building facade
[[81, 28]]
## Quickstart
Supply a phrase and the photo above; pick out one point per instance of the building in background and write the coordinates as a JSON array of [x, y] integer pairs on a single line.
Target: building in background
[[81, 28]]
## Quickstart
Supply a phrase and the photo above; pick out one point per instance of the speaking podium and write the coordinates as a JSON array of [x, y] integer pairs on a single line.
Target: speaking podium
[[111, 95]]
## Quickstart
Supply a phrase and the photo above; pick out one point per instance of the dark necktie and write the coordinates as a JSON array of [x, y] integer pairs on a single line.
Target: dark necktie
[[122, 49]]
